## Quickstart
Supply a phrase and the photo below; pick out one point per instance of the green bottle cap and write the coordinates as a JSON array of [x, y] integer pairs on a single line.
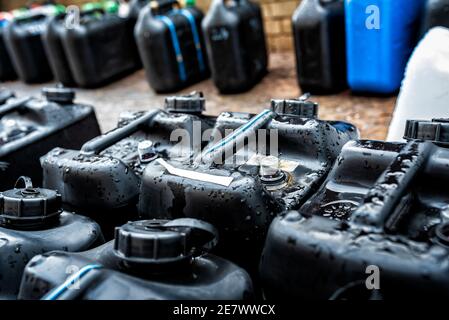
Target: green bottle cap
[[60, 8], [19, 12], [190, 3], [92, 6], [52, 9], [111, 6]]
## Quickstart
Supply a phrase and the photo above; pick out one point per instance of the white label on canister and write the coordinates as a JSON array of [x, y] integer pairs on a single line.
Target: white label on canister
[[223, 181]]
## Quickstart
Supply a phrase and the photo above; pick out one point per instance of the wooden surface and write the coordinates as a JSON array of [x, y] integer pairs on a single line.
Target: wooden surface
[[372, 115]]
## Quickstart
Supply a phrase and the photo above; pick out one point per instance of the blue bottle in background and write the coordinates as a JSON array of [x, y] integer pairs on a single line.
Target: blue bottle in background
[[380, 37]]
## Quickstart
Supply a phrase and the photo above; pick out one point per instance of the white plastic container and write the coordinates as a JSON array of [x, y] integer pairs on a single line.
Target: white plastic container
[[425, 90]]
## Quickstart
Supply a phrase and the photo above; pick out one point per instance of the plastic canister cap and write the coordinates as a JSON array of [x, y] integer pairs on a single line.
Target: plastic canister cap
[[436, 131], [92, 6], [270, 173], [146, 151], [59, 94], [269, 166], [29, 207], [162, 241], [191, 103], [189, 3], [301, 107]]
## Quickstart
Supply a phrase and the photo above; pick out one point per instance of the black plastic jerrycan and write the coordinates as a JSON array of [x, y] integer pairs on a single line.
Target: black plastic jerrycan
[[31, 127], [100, 48], [24, 44], [31, 223], [52, 39], [7, 71], [236, 45], [436, 14], [153, 260], [319, 32], [171, 45], [103, 178], [377, 229], [239, 187]]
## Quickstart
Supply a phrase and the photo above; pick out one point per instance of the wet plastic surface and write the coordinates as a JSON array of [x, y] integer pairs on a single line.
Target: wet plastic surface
[[383, 205], [103, 178], [243, 209], [31, 223], [205, 277], [30, 127]]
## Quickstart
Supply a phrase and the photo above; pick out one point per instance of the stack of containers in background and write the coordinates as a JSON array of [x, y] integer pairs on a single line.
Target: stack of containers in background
[[91, 52], [24, 44]]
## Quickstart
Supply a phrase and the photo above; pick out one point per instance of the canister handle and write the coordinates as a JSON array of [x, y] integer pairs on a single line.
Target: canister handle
[[27, 182], [13, 106], [99, 144], [205, 236]]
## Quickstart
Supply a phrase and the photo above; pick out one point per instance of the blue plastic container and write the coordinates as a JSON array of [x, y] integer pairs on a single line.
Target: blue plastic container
[[381, 35]]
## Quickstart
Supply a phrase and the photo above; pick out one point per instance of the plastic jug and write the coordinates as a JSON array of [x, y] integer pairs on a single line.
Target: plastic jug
[[171, 45], [31, 127], [380, 37], [376, 229], [24, 44], [235, 42], [154, 260], [102, 179], [319, 31], [100, 49], [32, 222], [239, 187]]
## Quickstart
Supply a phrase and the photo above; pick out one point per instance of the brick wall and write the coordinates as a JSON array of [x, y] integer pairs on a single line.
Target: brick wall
[[277, 17], [278, 26]]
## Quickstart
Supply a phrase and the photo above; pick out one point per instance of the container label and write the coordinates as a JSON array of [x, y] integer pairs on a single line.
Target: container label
[[205, 177]]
